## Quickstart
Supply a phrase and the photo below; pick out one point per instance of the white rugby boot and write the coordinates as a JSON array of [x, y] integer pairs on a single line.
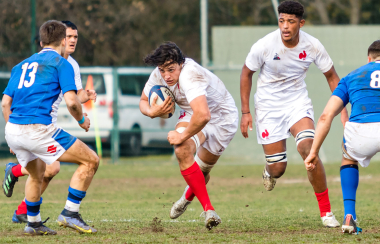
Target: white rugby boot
[[180, 206], [330, 221], [268, 181], [350, 226], [211, 219]]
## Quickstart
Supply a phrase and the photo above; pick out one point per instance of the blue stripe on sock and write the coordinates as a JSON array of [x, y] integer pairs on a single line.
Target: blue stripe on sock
[[77, 193], [34, 203], [349, 178], [74, 200]]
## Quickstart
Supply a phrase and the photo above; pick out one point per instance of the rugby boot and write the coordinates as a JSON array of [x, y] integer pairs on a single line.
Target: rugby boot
[[19, 218], [9, 180], [350, 225], [180, 206], [74, 221], [38, 229], [268, 181], [330, 221], [211, 219]]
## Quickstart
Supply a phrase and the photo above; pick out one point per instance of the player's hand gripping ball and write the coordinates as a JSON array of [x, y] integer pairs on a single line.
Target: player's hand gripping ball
[[161, 92]]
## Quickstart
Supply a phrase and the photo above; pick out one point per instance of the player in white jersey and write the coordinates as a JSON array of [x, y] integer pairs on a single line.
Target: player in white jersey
[[207, 124], [282, 105], [19, 215]]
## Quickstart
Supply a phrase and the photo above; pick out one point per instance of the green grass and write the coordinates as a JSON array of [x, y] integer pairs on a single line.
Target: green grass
[[124, 199]]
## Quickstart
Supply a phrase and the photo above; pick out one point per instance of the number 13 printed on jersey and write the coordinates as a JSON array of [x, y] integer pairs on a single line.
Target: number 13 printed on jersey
[[32, 75]]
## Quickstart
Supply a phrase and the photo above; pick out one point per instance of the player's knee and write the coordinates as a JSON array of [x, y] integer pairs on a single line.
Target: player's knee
[[94, 163], [52, 171], [183, 150], [277, 170]]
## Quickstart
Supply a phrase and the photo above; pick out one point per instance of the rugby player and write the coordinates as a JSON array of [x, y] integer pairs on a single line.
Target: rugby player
[[12, 170], [34, 86], [361, 138], [282, 105], [208, 121]]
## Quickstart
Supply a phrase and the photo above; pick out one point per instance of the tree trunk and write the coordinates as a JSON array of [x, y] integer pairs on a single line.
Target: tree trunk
[[355, 12], [322, 11]]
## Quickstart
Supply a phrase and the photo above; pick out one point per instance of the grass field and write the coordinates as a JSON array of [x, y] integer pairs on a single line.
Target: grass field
[[130, 203]]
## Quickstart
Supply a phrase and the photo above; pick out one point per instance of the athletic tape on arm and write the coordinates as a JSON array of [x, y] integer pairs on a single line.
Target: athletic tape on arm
[[194, 137], [276, 158], [305, 134]]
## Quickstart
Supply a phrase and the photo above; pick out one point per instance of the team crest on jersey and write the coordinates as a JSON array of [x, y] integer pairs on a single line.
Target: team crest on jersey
[[276, 57], [303, 55], [182, 114]]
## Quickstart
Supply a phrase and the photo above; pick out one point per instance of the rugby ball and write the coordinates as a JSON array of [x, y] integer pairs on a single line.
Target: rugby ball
[[162, 92]]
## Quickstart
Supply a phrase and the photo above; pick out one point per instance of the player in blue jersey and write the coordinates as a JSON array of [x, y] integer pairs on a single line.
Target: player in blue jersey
[[34, 86], [361, 138], [14, 171]]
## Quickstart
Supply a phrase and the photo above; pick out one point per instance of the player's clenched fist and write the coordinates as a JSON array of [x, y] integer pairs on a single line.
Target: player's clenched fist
[[162, 109], [246, 121], [174, 138], [86, 124], [311, 161]]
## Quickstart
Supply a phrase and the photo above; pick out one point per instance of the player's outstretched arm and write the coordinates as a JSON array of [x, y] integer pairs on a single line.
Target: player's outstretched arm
[[6, 104], [75, 108], [332, 109], [156, 110], [245, 92], [333, 81], [86, 95], [201, 116]]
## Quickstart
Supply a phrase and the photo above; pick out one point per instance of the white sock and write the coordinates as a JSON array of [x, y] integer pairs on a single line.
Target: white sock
[[34, 219], [73, 207]]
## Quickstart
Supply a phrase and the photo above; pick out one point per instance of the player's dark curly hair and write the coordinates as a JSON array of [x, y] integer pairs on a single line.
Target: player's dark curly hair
[[291, 7], [374, 49], [166, 54]]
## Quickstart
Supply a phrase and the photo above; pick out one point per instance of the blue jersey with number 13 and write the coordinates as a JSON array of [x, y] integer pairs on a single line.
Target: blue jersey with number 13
[[362, 89], [35, 85]]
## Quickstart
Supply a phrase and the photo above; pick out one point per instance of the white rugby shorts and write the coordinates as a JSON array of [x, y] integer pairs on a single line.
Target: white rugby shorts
[[32, 141], [274, 125], [218, 135], [361, 141]]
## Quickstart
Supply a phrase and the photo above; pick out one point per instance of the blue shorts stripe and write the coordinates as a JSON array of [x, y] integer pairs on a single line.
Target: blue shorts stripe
[[65, 139]]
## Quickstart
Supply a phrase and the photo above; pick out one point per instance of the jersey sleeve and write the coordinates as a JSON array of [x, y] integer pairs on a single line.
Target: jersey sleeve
[[9, 90], [341, 91], [255, 58], [66, 76], [78, 80], [193, 83], [154, 79], [322, 58]]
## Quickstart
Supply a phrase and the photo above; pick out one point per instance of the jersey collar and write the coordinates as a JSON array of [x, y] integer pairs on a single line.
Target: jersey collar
[[47, 49]]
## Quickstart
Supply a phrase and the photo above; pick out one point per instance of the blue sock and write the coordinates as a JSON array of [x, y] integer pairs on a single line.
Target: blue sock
[[74, 199], [349, 179], [33, 211]]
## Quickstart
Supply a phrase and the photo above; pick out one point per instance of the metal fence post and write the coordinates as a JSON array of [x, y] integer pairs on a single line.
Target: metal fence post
[[115, 139], [32, 26]]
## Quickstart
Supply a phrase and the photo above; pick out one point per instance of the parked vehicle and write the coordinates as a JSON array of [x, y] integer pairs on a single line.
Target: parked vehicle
[[136, 130]]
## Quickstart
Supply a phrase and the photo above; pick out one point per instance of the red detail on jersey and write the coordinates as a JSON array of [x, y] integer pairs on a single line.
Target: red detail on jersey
[[303, 55], [265, 134], [182, 115], [52, 149]]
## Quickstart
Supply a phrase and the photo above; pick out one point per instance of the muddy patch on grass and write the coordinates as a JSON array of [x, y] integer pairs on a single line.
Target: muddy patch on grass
[[156, 225]]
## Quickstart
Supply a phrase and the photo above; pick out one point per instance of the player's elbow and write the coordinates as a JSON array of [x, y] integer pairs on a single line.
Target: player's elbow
[[205, 117], [326, 117], [72, 105]]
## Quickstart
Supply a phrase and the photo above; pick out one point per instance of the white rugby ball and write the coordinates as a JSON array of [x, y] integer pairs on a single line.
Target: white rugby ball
[[162, 92]]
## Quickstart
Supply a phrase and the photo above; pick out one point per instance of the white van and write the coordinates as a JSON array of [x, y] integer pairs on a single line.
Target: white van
[[136, 130]]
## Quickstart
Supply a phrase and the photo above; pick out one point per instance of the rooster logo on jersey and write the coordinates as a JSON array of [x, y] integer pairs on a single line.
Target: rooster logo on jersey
[[303, 55], [276, 57]]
